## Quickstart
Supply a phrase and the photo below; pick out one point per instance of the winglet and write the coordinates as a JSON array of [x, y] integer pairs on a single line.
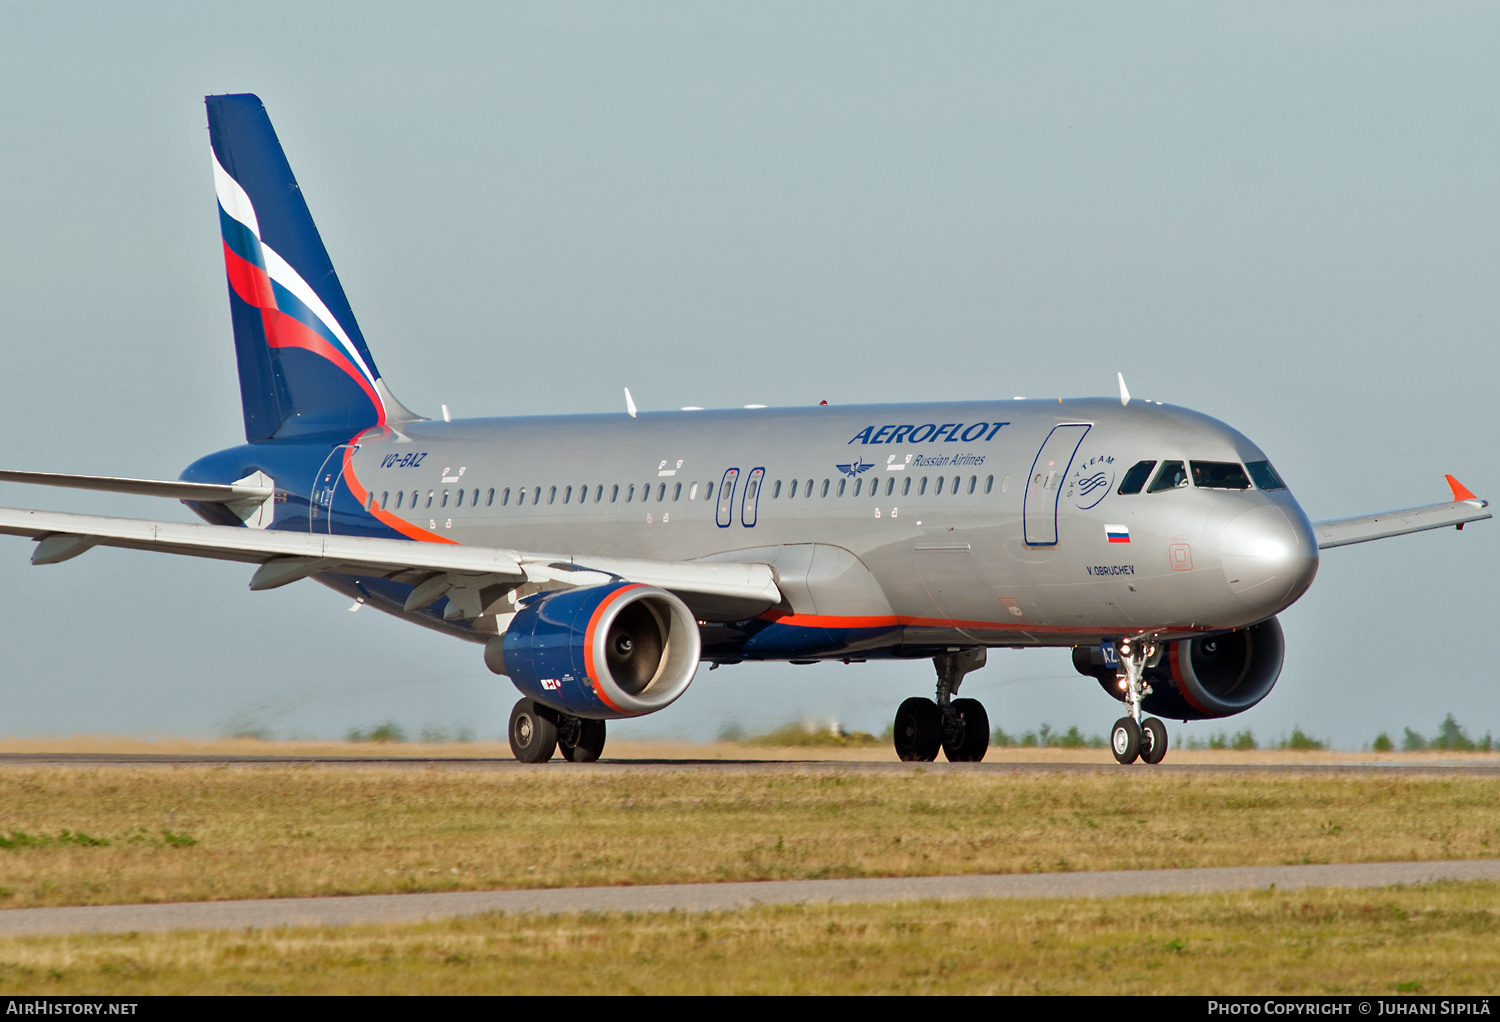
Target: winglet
[[1124, 393], [629, 403], [1460, 491]]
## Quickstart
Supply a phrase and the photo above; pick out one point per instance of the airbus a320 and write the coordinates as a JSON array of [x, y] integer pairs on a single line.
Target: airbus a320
[[599, 560]]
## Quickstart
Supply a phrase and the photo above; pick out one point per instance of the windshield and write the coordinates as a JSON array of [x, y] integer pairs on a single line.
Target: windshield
[[1265, 476], [1170, 476], [1136, 477], [1220, 475]]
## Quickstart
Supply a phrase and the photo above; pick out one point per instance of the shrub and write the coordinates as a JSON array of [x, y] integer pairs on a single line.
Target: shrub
[[1243, 741], [1383, 743], [1413, 742], [390, 731], [1301, 742]]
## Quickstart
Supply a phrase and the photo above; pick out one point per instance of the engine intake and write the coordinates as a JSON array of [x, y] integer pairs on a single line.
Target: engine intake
[[1205, 678], [603, 652]]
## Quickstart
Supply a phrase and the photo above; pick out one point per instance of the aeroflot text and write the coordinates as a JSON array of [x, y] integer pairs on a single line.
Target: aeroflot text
[[929, 432]]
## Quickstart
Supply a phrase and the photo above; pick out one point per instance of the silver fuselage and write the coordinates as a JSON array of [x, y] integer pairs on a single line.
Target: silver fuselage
[[875, 556]]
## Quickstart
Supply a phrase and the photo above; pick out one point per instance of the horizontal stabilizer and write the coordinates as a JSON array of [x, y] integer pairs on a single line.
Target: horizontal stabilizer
[[207, 493], [1464, 508]]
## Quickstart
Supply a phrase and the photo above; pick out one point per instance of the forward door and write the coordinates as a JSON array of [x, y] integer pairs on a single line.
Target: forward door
[[1045, 484]]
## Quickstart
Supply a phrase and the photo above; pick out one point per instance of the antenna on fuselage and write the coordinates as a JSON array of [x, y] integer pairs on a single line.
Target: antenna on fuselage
[[1124, 391], [629, 403], [446, 417]]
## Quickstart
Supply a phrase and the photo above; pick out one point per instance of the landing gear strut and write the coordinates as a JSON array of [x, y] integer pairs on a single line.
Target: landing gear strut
[[959, 727], [1132, 737]]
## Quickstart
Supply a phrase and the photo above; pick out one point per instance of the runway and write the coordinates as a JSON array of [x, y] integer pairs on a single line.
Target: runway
[[413, 908], [1475, 767]]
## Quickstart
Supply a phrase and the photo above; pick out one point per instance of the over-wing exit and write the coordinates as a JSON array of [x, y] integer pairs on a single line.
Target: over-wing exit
[[599, 560]]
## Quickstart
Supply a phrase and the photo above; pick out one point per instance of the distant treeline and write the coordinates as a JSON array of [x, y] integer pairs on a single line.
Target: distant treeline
[[1450, 736]]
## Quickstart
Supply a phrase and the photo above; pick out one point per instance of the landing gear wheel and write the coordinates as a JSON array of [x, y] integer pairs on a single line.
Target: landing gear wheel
[[918, 730], [580, 740], [1125, 740], [1153, 741], [966, 739], [533, 732]]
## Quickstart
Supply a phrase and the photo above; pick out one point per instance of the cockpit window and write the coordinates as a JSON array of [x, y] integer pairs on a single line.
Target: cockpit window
[[1265, 476], [1170, 476], [1136, 477], [1220, 475]]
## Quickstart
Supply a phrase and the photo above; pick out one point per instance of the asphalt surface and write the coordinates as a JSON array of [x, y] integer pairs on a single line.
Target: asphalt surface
[[25, 759], [412, 908]]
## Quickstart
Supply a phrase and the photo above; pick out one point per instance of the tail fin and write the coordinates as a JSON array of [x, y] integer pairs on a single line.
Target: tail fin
[[304, 367]]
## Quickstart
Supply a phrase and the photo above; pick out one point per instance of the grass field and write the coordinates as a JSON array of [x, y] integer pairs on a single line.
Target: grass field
[[1442, 939], [82, 835]]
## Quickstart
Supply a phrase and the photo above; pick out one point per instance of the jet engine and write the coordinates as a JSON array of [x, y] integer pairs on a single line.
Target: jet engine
[[1204, 678], [602, 652]]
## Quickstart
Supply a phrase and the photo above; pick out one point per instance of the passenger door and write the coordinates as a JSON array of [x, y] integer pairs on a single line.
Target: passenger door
[[1044, 485]]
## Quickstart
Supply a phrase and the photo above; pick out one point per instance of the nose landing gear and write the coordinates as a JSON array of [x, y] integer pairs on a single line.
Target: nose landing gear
[[960, 727], [1132, 737]]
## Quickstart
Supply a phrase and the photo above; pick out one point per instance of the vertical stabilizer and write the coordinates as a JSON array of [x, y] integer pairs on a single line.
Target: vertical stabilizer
[[304, 366]]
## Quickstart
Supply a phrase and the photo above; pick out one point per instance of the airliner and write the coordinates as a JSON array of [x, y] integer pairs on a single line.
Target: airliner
[[599, 560]]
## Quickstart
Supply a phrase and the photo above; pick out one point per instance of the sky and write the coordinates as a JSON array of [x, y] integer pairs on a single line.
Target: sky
[[1283, 215]]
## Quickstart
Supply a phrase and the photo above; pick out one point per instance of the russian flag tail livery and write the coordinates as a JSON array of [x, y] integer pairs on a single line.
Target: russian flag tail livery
[[304, 367]]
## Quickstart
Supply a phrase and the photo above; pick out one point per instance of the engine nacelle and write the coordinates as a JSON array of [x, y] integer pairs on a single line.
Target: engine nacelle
[[603, 652], [1204, 678]]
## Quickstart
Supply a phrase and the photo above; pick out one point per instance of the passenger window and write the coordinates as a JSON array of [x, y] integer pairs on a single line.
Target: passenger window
[[1170, 476], [677, 491], [536, 495], [489, 501], [825, 487], [661, 492], [809, 489], [1220, 475], [937, 491], [1135, 478], [906, 486], [552, 494], [792, 492], [776, 490], [708, 492], [973, 482], [521, 496], [369, 500], [890, 486], [693, 492], [567, 495], [922, 487], [385, 500], [630, 493], [460, 502], [1265, 476], [989, 484], [505, 497], [614, 493], [599, 494], [399, 495], [430, 495], [857, 484]]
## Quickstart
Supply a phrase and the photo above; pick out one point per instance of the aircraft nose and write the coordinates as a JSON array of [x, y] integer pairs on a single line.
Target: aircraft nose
[[1269, 556]]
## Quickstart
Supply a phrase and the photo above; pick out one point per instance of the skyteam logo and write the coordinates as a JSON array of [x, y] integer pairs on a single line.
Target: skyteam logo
[[1091, 481], [855, 468]]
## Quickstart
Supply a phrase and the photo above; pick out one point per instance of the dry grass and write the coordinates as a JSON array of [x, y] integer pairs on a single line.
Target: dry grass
[[1442, 939], [202, 833]]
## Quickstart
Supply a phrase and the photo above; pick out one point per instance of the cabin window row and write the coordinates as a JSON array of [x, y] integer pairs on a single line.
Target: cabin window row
[[663, 492], [955, 485]]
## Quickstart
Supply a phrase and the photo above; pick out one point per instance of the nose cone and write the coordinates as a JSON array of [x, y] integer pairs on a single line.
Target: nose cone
[[1270, 557]]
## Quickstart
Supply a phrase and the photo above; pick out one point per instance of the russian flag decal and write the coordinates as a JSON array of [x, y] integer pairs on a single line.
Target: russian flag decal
[[1117, 533]]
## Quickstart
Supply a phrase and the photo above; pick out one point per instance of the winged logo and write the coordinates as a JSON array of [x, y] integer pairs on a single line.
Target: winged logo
[[854, 469]]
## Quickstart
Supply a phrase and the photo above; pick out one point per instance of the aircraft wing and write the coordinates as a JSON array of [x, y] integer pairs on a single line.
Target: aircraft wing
[[1463, 508], [245, 489], [466, 574]]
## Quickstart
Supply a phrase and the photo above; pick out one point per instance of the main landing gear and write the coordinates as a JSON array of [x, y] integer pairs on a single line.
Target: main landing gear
[[537, 731], [1132, 737], [959, 727]]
